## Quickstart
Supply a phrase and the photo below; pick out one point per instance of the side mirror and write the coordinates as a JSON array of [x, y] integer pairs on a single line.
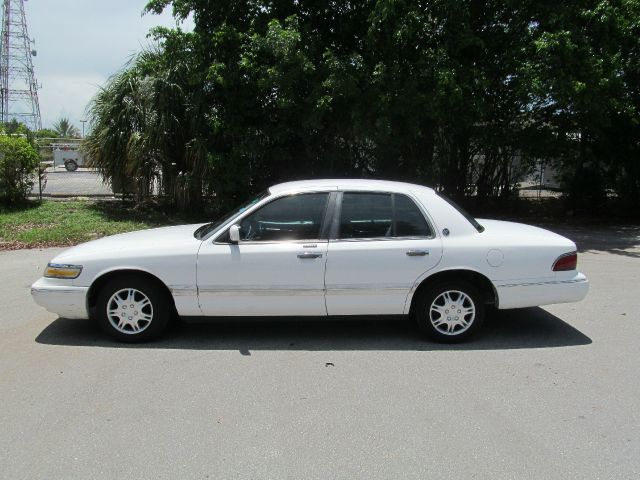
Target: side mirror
[[234, 233]]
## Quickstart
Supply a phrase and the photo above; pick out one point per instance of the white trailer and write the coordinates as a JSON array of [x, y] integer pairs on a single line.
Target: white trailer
[[67, 155]]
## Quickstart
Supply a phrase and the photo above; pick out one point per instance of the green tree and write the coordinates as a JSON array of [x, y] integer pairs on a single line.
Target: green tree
[[13, 127], [145, 129], [65, 129], [585, 61], [463, 95], [19, 163], [46, 133]]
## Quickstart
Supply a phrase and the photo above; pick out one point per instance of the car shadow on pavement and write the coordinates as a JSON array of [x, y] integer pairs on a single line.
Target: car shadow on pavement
[[503, 330]]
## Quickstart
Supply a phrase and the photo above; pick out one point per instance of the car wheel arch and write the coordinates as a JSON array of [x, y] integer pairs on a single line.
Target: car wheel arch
[[105, 277], [480, 281]]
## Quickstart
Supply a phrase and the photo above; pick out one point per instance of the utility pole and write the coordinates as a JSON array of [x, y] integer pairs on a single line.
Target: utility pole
[[83, 122], [18, 84]]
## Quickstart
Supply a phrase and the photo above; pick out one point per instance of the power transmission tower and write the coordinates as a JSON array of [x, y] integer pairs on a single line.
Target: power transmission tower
[[18, 84]]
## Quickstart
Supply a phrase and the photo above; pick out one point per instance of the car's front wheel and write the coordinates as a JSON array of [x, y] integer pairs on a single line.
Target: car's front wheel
[[132, 309], [449, 311]]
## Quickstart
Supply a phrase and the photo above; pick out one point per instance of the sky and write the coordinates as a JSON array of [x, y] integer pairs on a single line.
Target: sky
[[80, 44]]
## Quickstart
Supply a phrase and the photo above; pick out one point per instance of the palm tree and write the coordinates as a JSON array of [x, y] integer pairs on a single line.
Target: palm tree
[[64, 129], [145, 127]]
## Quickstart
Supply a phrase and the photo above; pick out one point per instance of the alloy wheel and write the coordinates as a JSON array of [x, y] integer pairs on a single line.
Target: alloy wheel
[[452, 312], [129, 311]]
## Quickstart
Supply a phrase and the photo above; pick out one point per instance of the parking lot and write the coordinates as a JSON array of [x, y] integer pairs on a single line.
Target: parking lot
[[547, 392]]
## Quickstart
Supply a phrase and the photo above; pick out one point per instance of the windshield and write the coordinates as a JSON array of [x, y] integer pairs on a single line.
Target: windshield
[[205, 230], [463, 212]]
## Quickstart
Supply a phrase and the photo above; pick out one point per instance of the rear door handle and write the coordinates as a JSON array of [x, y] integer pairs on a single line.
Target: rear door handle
[[417, 253], [309, 255]]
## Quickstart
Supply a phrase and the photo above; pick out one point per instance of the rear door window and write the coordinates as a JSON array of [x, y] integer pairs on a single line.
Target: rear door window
[[366, 215]]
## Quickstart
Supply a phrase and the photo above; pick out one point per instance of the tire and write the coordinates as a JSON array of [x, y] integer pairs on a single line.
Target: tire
[[71, 165], [447, 325], [151, 312]]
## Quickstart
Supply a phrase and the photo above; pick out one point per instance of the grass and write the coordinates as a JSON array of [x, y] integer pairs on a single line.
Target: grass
[[62, 223]]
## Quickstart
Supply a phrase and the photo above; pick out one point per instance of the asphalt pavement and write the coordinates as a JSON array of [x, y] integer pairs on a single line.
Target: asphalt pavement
[[82, 182], [549, 392]]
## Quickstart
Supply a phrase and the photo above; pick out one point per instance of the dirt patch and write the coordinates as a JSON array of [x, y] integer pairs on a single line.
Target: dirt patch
[[25, 227], [17, 245]]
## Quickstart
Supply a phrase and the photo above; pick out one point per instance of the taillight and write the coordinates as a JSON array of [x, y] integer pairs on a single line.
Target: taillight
[[568, 261]]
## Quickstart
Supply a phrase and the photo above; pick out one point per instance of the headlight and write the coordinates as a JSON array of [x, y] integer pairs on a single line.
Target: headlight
[[56, 270]]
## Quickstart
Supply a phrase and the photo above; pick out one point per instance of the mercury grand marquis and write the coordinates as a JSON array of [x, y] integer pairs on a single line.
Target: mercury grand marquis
[[317, 248]]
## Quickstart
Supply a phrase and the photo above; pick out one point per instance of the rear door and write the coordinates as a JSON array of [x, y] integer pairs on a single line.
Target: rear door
[[380, 244]]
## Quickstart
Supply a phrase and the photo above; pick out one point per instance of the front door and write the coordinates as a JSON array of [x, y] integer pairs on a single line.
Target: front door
[[383, 244], [278, 266]]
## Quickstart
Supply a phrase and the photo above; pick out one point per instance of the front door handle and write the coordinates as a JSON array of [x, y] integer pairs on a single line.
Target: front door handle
[[309, 255], [417, 253]]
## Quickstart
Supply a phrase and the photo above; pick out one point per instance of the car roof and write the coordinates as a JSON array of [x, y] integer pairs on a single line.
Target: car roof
[[345, 184]]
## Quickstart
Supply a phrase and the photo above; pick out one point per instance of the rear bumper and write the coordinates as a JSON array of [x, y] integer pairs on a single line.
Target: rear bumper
[[64, 300], [533, 294]]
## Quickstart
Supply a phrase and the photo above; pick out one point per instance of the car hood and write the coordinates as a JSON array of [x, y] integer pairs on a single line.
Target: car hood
[[131, 242], [521, 233]]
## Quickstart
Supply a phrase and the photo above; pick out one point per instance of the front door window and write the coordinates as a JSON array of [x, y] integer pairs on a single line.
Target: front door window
[[296, 217]]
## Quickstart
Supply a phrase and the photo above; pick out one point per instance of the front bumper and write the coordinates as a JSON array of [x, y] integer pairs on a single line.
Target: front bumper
[[66, 301], [534, 294]]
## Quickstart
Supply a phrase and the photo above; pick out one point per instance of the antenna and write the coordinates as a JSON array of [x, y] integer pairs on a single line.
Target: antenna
[[18, 84]]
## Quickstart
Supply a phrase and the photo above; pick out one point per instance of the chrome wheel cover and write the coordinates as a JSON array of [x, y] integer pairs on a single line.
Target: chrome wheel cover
[[452, 312], [129, 311]]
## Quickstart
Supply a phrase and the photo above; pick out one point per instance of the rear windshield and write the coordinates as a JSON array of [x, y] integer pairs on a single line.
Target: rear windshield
[[463, 212]]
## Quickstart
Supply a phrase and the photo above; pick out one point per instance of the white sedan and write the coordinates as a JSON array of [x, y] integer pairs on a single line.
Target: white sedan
[[313, 249]]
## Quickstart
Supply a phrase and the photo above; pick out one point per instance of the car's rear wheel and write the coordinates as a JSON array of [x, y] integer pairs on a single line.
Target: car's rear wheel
[[132, 309], [449, 311]]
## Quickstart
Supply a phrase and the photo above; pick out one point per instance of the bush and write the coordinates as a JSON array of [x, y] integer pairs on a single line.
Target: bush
[[19, 163]]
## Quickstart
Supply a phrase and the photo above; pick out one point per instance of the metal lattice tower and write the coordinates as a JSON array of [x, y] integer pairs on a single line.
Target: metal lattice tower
[[18, 85]]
